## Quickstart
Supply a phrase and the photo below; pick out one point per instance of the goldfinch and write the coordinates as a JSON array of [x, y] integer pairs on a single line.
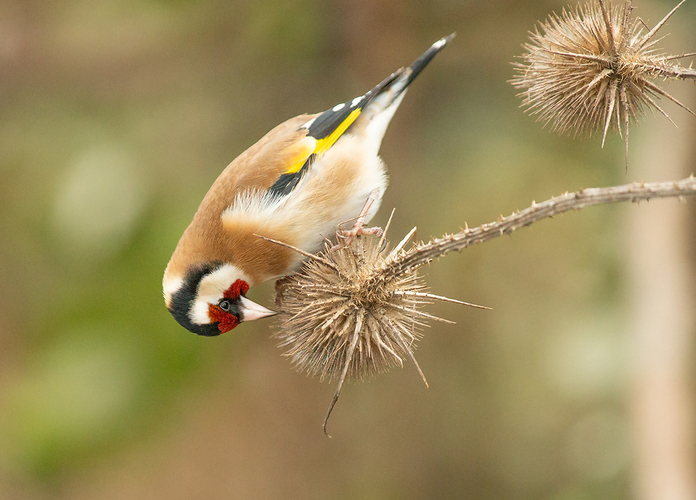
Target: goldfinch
[[295, 185]]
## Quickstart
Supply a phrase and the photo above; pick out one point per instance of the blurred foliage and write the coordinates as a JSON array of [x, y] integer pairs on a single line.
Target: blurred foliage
[[116, 118]]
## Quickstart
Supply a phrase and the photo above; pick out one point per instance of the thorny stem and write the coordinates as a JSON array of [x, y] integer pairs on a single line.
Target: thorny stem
[[322, 344], [670, 71], [635, 192]]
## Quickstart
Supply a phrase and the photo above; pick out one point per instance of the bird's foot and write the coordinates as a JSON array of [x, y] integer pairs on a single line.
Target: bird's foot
[[346, 237]]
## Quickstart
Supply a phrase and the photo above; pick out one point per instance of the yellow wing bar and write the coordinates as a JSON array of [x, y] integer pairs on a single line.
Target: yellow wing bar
[[303, 149], [299, 152], [324, 144]]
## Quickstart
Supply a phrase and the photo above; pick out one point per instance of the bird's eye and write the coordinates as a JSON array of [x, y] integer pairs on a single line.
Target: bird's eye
[[225, 305]]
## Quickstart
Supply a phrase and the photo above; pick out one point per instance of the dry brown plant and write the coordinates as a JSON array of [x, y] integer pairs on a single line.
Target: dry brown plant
[[594, 68], [357, 310]]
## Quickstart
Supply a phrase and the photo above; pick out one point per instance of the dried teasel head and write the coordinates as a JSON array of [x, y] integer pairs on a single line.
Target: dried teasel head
[[592, 68], [347, 314]]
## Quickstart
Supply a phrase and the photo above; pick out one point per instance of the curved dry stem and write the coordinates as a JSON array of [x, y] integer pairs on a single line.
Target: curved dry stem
[[357, 310], [635, 192]]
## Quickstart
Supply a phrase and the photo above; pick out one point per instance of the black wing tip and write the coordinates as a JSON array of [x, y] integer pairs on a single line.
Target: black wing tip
[[326, 122], [428, 55]]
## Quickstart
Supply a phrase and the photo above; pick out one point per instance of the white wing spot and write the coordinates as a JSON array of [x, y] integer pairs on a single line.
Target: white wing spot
[[356, 101], [439, 43], [309, 123], [338, 107]]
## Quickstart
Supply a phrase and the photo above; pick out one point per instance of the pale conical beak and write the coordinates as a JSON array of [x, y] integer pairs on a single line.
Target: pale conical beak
[[252, 310]]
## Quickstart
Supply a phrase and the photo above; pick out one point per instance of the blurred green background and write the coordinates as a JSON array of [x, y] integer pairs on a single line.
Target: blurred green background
[[116, 117]]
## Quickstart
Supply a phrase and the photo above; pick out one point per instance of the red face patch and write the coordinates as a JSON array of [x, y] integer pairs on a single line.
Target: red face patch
[[239, 287], [226, 320]]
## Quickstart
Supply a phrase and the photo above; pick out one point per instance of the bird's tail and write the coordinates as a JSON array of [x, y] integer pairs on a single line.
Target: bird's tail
[[405, 76], [383, 100]]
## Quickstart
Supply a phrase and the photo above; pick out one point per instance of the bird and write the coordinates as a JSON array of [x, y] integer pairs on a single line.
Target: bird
[[296, 185]]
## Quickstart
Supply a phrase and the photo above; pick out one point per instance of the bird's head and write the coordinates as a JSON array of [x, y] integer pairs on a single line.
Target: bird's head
[[210, 299]]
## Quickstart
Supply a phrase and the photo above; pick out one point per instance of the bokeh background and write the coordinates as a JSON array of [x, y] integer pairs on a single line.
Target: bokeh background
[[115, 118]]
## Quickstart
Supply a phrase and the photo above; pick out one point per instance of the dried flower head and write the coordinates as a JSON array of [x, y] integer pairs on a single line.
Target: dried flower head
[[593, 68], [347, 316]]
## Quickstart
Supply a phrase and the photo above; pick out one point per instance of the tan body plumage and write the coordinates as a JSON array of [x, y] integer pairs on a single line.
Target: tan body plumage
[[295, 185]]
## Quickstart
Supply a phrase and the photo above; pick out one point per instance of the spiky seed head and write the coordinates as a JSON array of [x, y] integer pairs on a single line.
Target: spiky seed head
[[341, 299], [352, 311], [592, 68]]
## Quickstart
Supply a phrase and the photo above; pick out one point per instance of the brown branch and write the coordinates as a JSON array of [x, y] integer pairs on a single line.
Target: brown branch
[[635, 192]]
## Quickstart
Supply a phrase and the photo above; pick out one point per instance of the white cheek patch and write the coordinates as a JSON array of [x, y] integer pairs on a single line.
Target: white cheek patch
[[211, 289], [199, 313]]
